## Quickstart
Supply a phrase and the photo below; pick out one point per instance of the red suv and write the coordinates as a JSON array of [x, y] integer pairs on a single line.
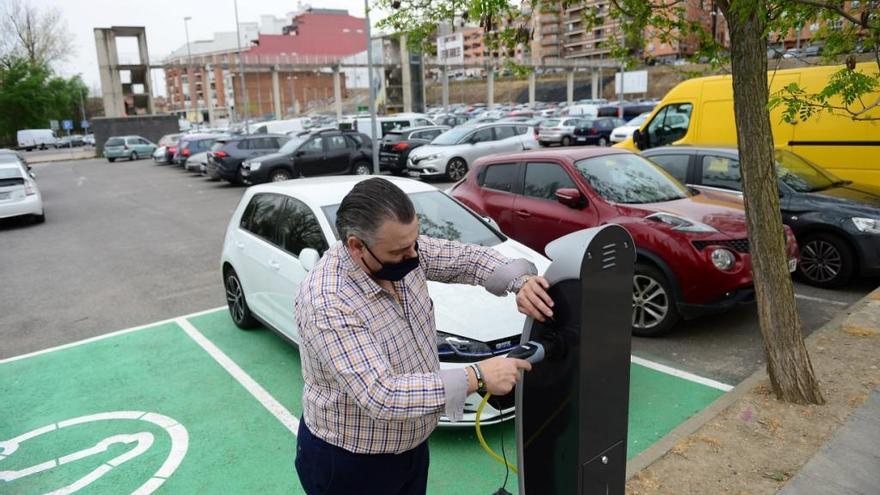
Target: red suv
[[693, 254]]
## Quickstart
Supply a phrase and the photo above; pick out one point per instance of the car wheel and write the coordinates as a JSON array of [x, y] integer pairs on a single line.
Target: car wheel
[[603, 141], [40, 218], [826, 261], [456, 169], [235, 300], [543, 143], [133, 156], [653, 309], [566, 141], [361, 168], [111, 160], [280, 175]]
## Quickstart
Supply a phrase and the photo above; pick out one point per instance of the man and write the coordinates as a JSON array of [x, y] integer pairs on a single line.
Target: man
[[373, 385]]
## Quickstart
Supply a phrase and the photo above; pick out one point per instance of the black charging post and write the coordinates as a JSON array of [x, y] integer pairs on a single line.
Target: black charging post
[[572, 408]]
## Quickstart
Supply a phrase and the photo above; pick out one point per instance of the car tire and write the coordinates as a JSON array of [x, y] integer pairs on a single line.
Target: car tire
[[566, 141], [361, 168], [826, 261], [41, 218], [654, 310], [133, 156], [603, 141], [280, 175], [456, 169], [543, 143], [237, 303], [111, 160]]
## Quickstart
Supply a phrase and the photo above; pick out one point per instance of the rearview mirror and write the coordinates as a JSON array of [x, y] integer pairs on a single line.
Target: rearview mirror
[[571, 197], [308, 258]]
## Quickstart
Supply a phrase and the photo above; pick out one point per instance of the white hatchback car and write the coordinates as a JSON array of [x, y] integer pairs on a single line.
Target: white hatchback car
[[279, 231], [451, 154], [19, 195]]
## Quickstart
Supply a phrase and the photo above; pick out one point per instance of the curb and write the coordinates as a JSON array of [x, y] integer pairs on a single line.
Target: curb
[[665, 444], [53, 159]]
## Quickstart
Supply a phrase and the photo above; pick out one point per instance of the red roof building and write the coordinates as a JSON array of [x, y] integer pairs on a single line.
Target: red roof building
[[321, 32]]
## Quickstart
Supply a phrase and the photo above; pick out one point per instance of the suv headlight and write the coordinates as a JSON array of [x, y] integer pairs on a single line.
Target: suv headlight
[[681, 224], [867, 225], [722, 259], [427, 158], [454, 348]]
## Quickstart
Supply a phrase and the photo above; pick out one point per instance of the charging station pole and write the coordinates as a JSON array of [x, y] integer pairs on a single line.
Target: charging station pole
[[573, 407]]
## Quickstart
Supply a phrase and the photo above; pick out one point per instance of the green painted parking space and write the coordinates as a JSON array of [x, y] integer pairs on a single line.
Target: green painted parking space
[[234, 443]]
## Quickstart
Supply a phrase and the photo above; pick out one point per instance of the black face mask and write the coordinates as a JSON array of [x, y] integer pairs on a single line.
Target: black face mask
[[394, 272]]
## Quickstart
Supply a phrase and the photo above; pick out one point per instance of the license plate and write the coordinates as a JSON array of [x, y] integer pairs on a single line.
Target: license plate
[[581, 139], [5, 195], [792, 265]]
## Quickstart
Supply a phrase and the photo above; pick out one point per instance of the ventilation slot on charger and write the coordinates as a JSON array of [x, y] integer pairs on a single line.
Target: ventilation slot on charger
[[609, 256]]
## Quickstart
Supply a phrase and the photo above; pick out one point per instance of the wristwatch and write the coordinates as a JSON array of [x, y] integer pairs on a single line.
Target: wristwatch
[[481, 386], [518, 283]]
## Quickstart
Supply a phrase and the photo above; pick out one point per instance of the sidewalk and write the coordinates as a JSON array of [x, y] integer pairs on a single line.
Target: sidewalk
[[63, 156], [849, 464]]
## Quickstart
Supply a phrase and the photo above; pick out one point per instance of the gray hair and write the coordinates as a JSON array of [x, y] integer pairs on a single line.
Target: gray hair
[[370, 204]]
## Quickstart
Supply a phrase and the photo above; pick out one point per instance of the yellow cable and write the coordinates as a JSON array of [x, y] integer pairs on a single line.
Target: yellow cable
[[483, 441]]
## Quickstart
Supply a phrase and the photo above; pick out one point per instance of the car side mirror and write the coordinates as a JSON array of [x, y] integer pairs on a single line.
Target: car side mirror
[[300, 153], [34, 176], [308, 258], [571, 197], [637, 139]]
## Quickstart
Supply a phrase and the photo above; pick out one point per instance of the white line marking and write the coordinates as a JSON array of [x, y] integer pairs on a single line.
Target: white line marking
[[681, 374], [270, 403], [106, 336], [821, 300]]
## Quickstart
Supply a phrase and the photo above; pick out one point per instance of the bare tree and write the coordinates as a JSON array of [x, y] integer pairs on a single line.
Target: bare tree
[[34, 34]]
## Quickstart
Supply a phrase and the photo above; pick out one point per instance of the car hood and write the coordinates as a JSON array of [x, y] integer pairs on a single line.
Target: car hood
[[474, 313], [628, 129], [853, 195], [431, 149], [271, 158], [724, 212]]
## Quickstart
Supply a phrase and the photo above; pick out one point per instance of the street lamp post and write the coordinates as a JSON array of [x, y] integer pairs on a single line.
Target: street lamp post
[[375, 134], [241, 71], [190, 77]]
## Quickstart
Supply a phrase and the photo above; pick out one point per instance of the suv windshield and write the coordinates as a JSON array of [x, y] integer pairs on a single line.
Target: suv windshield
[[626, 178], [802, 175], [114, 142], [441, 217], [452, 136]]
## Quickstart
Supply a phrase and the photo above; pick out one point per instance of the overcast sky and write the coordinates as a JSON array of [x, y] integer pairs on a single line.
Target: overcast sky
[[163, 20]]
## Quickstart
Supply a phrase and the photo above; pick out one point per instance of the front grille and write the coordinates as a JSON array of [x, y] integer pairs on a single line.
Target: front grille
[[738, 245]]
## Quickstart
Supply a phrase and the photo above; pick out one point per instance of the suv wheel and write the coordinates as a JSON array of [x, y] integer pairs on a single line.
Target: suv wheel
[[361, 168], [279, 175], [456, 169], [566, 141], [826, 261], [603, 141], [654, 312], [133, 156], [111, 160], [238, 308]]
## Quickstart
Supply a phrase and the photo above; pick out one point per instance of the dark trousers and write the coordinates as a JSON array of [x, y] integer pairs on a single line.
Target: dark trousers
[[325, 469]]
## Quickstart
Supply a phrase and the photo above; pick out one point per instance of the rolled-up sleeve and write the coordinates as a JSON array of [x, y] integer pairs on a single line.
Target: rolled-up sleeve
[[455, 262], [455, 387]]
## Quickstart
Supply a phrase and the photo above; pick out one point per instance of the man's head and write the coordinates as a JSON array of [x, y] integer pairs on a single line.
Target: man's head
[[378, 224]]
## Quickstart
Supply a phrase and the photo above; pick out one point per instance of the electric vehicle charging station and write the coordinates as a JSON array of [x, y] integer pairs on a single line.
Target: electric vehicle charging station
[[573, 407]]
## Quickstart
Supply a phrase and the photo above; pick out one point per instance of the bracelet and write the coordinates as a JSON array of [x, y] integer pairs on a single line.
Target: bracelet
[[481, 386]]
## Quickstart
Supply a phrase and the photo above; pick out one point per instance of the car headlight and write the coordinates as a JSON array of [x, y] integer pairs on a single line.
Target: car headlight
[[868, 225], [722, 259], [428, 158], [255, 165], [681, 223], [454, 348]]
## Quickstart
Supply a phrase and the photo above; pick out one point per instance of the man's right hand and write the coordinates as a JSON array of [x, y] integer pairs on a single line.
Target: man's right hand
[[500, 374]]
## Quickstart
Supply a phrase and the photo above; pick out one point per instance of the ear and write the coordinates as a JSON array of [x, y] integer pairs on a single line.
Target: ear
[[354, 244]]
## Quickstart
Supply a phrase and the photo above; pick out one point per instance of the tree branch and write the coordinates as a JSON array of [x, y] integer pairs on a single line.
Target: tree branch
[[834, 8]]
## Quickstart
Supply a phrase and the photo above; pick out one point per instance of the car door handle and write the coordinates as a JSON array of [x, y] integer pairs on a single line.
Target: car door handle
[[239, 245], [523, 214], [274, 265]]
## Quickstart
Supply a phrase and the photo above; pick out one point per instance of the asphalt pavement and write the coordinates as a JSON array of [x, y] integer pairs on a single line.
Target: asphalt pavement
[[130, 243]]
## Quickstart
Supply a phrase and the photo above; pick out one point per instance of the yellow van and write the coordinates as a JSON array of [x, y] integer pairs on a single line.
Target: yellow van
[[700, 112]]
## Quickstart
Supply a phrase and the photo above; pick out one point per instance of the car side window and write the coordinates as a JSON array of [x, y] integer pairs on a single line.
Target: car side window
[[674, 165], [336, 143], [482, 136], [543, 179], [314, 145], [501, 177], [421, 122], [504, 132], [669, 124], [243, 144], [298, 228], [719, 171], [259, 216]]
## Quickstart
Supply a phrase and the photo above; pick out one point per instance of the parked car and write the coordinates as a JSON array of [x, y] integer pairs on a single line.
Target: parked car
[[327, 152], [131, 147], [71, 141], [693, 253], [396, 146], [451, 153], [228, 153], [168, 143], [279, 231], [596, 131], [450, 120], [197, 162], [30, 139], [624, 132], [385, 123], [557, 131], [192, 144], [19, 194], [89, 139], [836, 222]]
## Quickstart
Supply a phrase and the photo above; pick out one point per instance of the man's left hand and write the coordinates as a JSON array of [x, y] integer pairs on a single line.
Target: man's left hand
[[533, 300]]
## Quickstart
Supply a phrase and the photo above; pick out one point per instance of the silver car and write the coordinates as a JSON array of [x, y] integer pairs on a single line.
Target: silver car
[[557, 131], [451, 154]]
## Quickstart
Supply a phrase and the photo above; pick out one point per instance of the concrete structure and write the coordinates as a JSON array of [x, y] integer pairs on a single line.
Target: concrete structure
[[151, 127], [125, 88]]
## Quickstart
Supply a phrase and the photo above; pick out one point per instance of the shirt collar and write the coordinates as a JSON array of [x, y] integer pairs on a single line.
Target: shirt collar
[[357, 274]]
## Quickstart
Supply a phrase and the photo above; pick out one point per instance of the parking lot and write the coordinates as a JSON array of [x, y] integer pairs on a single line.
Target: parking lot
[[133, 246]]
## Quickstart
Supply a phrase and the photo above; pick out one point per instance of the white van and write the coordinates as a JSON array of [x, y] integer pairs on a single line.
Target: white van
[[586, 110], [282, 126], [385, 124], [29, 139]]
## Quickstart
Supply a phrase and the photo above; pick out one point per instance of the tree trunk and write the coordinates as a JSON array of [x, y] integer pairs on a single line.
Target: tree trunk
[[788, 363]]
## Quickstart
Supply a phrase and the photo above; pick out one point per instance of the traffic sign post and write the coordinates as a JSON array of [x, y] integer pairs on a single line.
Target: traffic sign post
[[84, 124], [68, 125]]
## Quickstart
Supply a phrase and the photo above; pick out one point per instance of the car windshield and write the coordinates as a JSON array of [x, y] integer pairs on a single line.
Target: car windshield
[[452, 136], [292, 145], [114, 142], [638, 121], [441, 217], [802, 175], [627, 178]]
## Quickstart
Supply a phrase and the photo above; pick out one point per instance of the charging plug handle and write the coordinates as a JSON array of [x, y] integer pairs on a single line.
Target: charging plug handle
[[531, 351]]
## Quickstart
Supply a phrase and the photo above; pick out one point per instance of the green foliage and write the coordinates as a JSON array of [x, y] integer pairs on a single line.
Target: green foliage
[[849, 85], [31, 95]]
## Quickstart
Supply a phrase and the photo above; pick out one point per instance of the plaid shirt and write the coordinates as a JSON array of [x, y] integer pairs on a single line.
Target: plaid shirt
[[372, 376]]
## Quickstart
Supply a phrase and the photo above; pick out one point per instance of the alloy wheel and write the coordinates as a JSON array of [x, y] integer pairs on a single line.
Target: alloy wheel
[[820, 261], [235, 298], [456, 169], [650, 302]]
